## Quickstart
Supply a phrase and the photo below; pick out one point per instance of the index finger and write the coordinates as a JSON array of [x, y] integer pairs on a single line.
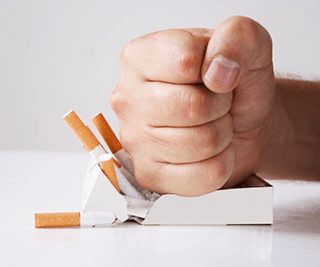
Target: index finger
[[172, 56]]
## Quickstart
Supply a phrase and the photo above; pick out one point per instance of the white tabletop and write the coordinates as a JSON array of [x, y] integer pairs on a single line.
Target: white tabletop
[[51, 182]]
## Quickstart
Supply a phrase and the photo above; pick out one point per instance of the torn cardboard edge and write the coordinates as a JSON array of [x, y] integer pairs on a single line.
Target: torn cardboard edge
[[251, 202]]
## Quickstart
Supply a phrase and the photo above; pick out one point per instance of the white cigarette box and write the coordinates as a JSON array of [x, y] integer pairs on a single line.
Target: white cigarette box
[[250, 203]]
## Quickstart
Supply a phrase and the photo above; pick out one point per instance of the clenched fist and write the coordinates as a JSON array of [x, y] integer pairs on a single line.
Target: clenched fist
[[191, 105]]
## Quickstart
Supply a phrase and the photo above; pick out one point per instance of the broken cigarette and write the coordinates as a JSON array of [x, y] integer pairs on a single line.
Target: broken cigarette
[[106, 132], [120, 154], [107, 167], [112, 141], [92, 145], [69, 219], [87, 138], [117, 178]]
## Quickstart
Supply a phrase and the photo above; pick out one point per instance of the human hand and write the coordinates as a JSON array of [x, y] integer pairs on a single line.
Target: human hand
[[191, 105]]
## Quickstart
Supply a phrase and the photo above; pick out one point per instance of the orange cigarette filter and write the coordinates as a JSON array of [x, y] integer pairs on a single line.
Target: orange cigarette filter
[[106, 165], [106, 132], [43, 220], [87, 138]]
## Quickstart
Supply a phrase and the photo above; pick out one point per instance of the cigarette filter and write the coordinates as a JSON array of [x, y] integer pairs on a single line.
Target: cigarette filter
[[82, 131], [43, 220], [106, 164], [106, 132]]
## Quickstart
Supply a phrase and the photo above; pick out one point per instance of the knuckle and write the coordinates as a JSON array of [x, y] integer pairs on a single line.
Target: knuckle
[[189, 56], [195, 105], [247, 25], [211, 142], [186, 60], [252, 31], [216, 174], [216, 136], [207, 149], [205, 141], [221, 172], [258, 39], [200, 143], [126, 53], [217, 170], [117, 100]]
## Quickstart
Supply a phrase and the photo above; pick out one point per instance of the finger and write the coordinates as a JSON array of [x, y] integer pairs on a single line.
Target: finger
[[189, 144], [163, 104], [191, 179], [182, 105], [173, 56], [238, 44], [239, 57]]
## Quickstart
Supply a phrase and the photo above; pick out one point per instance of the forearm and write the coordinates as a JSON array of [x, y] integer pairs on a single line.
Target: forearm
[[290, 140]]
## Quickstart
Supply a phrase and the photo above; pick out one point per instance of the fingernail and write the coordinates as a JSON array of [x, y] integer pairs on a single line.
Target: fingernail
[[222, 71]]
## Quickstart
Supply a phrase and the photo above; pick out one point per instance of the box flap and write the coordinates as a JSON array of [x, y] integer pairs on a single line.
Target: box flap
[[100, 195], [251, 205]]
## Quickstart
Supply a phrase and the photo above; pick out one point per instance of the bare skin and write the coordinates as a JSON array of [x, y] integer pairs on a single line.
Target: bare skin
[[196, 107], [291, 138]]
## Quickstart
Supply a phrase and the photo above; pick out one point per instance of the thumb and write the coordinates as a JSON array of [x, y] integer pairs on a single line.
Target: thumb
[[237, 46]]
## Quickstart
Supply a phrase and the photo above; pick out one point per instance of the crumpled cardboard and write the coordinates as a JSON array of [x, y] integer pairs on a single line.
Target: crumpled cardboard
[[249, 203]]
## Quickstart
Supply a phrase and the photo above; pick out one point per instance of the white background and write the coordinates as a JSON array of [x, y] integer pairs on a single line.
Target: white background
[[62, 55]]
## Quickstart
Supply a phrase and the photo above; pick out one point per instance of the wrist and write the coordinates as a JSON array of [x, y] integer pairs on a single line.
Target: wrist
[[290, 144], [275, 137]]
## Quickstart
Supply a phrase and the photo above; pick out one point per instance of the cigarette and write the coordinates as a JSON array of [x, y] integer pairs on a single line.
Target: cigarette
[[112, 141], [93, 146], [125, 186], [87, 138], [119, 153], [106, 132], [72, 219], [127, 170], [89, 142], [107, 167]]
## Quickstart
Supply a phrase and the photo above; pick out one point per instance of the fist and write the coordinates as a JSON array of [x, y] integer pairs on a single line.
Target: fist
[[191, 105]]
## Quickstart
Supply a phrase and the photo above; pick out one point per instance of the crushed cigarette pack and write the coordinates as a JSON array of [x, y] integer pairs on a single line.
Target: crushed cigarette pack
[[110, 186], [249, 203]]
